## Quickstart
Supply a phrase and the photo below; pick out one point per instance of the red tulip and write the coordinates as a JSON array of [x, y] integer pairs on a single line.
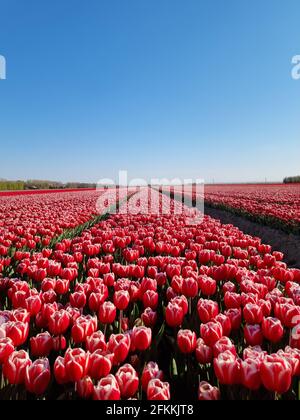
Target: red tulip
[[253, 335], [96, 342], [250, 374], [276, 374], [107, 389], [232, 300], [128, 381], [158, 390], [60, 371], [41, 345], [107, 313], [235, 316], [62, 286], [150, 299], [6, 349], [190, 287], [207, 310], [151, 371], [14, 368], [100, 364], [225, 322], [59, 322], [83, 327], [207, 285], [85, 388], [149, 317], [211, 332], [121, 299], [227, 368], [207, 392], [204, 353], [186, 341], [119, 345], [174, 315], [272, 329], [17, 332], [76, 364], [37, 377], [222, 345], [141, 338], [78, 300], [253, 314]]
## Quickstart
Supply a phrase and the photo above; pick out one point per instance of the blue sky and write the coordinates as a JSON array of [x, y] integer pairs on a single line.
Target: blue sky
[[162, 88]]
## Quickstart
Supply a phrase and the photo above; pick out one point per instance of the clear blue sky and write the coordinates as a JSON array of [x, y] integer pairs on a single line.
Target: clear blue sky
[[186, 88]]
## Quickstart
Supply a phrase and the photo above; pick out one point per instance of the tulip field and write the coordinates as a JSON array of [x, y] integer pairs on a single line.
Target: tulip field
[[275, 205], [143, 305]]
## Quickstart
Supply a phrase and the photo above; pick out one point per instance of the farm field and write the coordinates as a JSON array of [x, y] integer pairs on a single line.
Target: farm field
[[144, 304], [275, 205]]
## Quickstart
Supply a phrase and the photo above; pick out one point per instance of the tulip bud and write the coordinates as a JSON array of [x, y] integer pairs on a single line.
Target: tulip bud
[[151, 371], [41, 345], [107, 389], [272, 329], [85, 388], [14, 368], [276, 374], [37, 377], [158, 390], [208, 392], [186, 341], [128, 381]]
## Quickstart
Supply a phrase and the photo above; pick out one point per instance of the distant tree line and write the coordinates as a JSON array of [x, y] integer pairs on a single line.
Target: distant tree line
[[292, 180], [41, 185]]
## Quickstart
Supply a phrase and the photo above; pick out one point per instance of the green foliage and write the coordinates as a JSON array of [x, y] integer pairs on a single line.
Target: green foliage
[[11, 185], [292, 180]]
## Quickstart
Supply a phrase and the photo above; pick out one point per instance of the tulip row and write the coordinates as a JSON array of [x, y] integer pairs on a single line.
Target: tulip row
[[274, 205], [148, 306], [277, 205]]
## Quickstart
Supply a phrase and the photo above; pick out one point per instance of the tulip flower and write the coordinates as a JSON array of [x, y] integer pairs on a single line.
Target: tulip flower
[[151, 371], [119, 345], [128, 381], [211, 332], [186, 341], [158, 390], [59, 322], [174, 315], [276, 374], [141, 338], [250, 374], [107, 389], [207, 392], [272, 329], [204, 353], [85, 388], [253, 335], [207, 310], [107, 313], [96, 341], [6, 349], [100, 364], [14, 369], [41, 345], [37, 377], [76, 364], [227, 368]]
